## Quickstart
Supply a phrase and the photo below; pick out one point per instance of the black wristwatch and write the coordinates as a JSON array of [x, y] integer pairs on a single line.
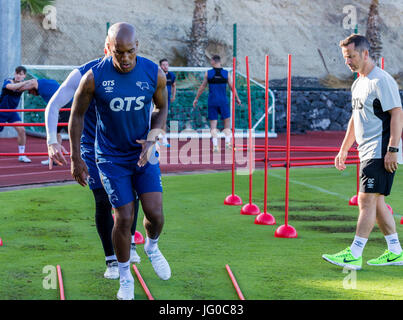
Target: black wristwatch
[[393, 149]]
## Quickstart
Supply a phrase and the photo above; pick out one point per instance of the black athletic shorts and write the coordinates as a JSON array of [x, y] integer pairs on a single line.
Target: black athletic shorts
[[64, 116], [374, 178]]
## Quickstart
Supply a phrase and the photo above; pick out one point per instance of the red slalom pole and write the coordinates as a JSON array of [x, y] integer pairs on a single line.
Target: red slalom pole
[[61, 287], [61, 124], [30, 110], [235, 283], [233, 199], [382, 63], [287, 231], [250, 208], [266, 218], [142, 282]]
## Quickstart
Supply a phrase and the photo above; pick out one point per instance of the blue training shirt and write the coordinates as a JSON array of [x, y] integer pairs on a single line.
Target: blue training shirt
[[47, 88], [124, 108], [170, 81], [9, 99], [217, 79], [90, 118]]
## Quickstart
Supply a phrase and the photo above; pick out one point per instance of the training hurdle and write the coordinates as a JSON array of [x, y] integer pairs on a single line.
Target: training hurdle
[[234, 282], [285, 231], [142, 282], [60, 280], [249, 208], [233, 199]]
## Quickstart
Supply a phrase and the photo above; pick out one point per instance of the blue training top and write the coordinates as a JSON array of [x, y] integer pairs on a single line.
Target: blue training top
[[9, 99], [47, 88], [124, 108], [90, 118], [217, 79], [170, 81]]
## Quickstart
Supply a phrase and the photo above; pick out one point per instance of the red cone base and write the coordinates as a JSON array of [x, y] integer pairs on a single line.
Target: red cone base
[[138, 238], [233, 200], [265, 219], [286, 231], [353, 201], [1, 242], [390, 208], [250, 209]]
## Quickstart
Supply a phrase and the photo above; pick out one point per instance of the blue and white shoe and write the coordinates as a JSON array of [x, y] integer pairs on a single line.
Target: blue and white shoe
[[160, 264], [126, 290]]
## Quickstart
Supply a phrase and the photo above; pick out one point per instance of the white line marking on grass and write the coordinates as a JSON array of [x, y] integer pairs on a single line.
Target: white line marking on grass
[[312, 187]]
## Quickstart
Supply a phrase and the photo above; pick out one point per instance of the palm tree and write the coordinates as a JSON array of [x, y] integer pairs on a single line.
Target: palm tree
[[198, 35], [35, 6], [373, 31]]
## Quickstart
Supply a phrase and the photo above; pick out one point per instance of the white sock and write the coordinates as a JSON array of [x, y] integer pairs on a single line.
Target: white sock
[[151, 244], [110, 258], [21, 149], [124, 270], [227, 139], [393, 243], [357, 247], [133, 242], [215, 141]]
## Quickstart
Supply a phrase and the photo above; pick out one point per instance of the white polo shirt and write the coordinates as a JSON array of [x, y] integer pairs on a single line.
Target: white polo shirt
[[372, 97]]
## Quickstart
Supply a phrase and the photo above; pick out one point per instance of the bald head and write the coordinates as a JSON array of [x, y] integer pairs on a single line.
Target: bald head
[[122, 45], [122, 31]]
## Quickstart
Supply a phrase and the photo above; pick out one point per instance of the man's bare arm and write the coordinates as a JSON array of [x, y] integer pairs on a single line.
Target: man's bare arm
[[348, 141], [81, 102], [200, 91], [396, 125]]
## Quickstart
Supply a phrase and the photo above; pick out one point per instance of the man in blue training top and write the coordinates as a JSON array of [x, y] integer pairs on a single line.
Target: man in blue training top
[[171, 87], [46, 88], [124, 87], [9, 99], [217, 79]]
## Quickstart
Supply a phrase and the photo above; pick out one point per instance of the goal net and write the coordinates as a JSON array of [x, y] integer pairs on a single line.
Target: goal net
[[182, 116]]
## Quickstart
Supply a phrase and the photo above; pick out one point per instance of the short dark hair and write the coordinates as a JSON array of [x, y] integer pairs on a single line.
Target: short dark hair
[[360, 42], [216, 58], [162, 60], [21, 69]]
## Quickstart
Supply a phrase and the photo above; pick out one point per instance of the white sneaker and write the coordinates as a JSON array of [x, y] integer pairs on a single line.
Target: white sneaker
[[24, 159], [112, 270], [160, 264], [46, 163], [126, 290], [134, 257]]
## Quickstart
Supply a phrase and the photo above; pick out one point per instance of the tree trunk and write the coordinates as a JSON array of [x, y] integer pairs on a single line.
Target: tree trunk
[[198, 37], [373, 31]]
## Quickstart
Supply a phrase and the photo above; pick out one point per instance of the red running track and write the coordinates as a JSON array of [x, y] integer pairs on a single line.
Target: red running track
[[15, 173]]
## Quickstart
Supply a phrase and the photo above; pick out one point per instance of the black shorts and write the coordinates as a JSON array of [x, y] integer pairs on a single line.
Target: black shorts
[[64, 116], [374, 178]]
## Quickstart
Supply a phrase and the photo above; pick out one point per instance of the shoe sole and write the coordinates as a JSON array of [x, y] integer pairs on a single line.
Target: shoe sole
[[162, 278], [349, 266], [111, 278], [400, 263], [119, 298]]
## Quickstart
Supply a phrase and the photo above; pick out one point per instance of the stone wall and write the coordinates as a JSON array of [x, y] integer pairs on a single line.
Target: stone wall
[[314, 110]]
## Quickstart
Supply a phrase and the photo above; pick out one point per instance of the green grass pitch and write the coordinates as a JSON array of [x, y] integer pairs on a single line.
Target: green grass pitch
[[55, 225]]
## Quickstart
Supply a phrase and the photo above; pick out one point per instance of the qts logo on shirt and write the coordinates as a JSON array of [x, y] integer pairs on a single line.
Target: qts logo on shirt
[[127, 103], [357, 104]]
